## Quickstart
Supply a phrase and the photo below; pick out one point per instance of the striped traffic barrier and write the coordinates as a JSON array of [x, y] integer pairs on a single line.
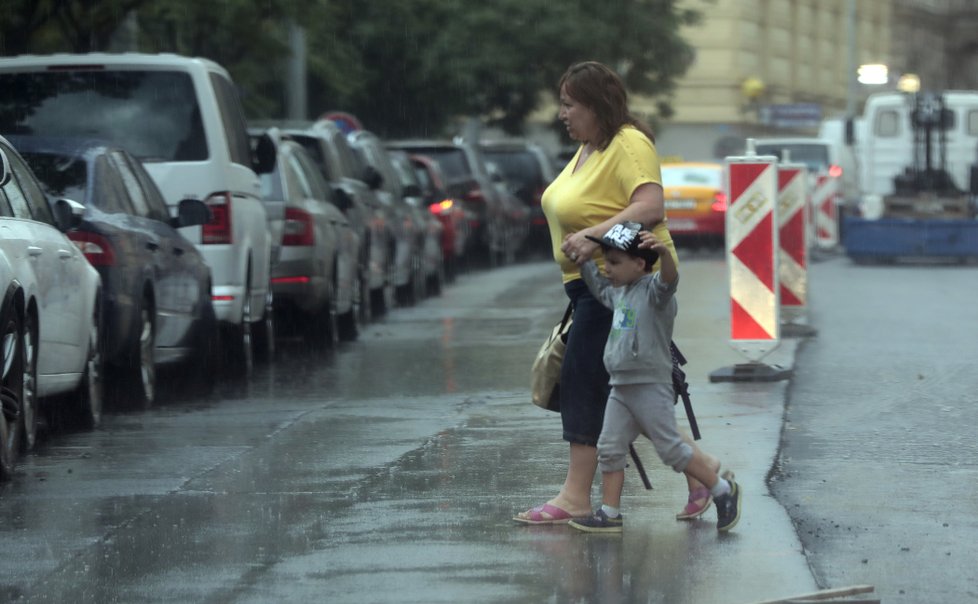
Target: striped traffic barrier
[[825, 211], [793, 238], [752, 261]]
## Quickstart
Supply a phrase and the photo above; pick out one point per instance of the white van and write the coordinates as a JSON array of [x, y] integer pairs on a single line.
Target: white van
[[182, 117], [820, 156]]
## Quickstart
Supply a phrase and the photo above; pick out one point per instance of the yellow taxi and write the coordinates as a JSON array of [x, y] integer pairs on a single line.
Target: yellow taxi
[[696, 205]]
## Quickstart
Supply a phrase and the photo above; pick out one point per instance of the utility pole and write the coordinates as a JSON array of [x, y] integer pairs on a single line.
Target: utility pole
[[852, 65], [296, 96]]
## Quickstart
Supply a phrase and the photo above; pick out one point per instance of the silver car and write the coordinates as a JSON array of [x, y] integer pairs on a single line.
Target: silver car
[[316, 275]]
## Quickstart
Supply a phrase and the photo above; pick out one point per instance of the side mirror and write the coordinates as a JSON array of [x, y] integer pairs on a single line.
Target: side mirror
[[343, 200], [263, 158], [68, 214], [372, 177], [191, 212]]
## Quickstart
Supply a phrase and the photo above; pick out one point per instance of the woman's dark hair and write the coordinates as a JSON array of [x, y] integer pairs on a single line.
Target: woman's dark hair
[[600, 89]]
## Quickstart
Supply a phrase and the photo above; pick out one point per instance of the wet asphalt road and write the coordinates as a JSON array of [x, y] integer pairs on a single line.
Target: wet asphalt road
[[388, 470], [879, 468]]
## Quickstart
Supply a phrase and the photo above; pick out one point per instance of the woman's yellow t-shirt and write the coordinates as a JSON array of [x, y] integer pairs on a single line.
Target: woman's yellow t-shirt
[[600, 189]]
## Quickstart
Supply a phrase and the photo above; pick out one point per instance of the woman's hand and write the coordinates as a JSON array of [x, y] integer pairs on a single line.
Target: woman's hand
[[578, 248]]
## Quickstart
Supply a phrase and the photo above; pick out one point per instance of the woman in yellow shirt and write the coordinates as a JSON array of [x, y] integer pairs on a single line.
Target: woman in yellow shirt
[[613, 177]]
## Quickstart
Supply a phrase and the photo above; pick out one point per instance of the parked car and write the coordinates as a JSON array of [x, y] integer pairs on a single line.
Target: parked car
[[12, 377], [405, 231], [469, 180], [156, 286], [696, 206], [58, 305], [454, 218], [431, 229], [338, 162], [517, 212], [316, 276], [182, 118], [530, 171]]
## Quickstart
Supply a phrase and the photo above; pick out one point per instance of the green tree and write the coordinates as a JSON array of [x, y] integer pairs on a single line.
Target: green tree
[[405, 67]]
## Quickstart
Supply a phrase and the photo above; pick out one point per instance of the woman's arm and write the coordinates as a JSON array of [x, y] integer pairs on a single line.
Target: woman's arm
[[646, 206]]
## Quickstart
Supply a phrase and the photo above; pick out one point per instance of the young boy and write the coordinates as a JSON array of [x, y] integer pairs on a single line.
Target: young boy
[[637, 357]]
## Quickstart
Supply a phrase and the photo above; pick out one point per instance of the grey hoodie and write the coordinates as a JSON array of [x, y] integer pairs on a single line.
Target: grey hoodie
[[637, 351]]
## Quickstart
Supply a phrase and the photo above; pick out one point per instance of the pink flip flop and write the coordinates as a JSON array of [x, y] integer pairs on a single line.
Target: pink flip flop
[[692, 510], [554, 515]]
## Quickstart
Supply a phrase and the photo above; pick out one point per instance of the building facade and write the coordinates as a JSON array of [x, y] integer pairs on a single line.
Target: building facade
[[779, 67]]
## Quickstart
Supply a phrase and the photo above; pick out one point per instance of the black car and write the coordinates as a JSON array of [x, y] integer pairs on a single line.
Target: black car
[[156, 285], [530, 171]]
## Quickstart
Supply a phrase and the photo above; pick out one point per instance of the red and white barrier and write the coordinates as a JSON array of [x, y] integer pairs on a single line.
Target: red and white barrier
[[825, 211], [792, 236], [752, 253]]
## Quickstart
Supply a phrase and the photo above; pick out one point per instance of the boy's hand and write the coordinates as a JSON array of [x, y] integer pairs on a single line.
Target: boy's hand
[[650, 242]]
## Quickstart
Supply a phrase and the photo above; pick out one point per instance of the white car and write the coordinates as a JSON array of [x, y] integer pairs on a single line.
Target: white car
[[53, 303], [182, 118]]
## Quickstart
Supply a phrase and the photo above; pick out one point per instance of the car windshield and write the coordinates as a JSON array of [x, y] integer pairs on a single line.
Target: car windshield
[[814, 156], [519, 167], [451, 160], [60, 176], [153, 114], [691, 176]]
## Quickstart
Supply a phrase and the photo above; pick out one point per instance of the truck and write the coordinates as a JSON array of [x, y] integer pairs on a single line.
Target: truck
[[918, 179]]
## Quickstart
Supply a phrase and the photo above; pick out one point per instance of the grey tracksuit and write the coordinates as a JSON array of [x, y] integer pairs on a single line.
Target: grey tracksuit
[[639, 362]]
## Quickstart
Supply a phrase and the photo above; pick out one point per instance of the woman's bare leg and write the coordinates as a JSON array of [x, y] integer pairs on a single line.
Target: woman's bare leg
[[575, 496]]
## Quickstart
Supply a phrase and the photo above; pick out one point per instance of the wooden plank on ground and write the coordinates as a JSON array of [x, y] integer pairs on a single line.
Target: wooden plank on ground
[[823, 595]]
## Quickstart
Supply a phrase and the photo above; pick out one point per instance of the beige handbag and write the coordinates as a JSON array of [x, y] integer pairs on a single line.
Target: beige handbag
[[545, 373]]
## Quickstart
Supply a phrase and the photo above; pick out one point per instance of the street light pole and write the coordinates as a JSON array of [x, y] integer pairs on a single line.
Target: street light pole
[[852, 61]]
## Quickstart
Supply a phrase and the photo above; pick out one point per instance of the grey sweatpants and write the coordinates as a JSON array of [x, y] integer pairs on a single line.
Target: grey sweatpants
[[647, 409]]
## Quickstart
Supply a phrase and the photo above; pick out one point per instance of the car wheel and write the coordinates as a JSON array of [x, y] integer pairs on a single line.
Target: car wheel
[[28, 408], [11, 394], [366, 310], [436, 282], [240, 356], [263, 335], [91, 390], [325, 325], [204, 360], [137, 379], [420, 277], [349, 322]]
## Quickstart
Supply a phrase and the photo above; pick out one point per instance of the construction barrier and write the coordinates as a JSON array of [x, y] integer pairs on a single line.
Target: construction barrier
[[751, 185], [825, 213], [752, 242], [792, 234]]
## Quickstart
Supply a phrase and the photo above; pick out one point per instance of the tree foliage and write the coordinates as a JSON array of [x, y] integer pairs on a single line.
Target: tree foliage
[[405, 67]]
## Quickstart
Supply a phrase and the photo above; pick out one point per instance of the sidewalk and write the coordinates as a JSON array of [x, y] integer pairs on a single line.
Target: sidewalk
[[659, 558]]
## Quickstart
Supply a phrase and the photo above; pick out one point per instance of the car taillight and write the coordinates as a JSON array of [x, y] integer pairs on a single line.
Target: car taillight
[[835, 171], [297, 229], [96, 248], [218, 230], [719, 202], [441, 207]]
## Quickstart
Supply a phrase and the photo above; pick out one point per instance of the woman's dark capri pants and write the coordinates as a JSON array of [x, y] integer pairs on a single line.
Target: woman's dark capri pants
[[584, 385]]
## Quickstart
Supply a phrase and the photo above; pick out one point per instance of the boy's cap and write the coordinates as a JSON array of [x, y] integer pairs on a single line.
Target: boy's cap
[[624, 236]]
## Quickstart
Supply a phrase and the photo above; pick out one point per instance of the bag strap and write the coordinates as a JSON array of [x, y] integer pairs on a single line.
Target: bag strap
[[682, 387], [567, 314]]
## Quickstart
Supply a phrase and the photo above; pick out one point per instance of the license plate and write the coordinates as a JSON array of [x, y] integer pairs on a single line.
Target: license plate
[[680, 204], [681, 225]]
